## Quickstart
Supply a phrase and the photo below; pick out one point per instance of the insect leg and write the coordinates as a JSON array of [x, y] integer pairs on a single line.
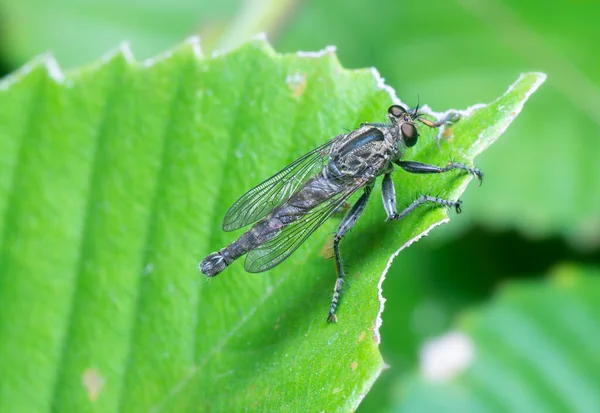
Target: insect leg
[[388, 193], [423, 168], [345, 226], [389, 200], [425, 199], [449, 118]]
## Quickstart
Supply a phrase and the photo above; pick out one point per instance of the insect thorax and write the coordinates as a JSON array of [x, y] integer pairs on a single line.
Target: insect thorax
[[365, 152]]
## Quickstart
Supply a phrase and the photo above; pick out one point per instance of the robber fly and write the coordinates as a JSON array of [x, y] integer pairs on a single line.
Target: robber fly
[[288, 207]]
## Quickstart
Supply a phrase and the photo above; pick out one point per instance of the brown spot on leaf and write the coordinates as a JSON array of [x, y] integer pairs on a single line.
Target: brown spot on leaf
[[448, 134], [297, 84], [353, 365], [362, 335], [93, 383]]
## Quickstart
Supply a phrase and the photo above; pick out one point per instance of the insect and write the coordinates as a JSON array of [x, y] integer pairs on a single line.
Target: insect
[[288, 207]]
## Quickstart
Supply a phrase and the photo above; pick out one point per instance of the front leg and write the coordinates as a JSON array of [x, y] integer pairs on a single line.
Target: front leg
[[451, 117], [423, 168], [389, 201]]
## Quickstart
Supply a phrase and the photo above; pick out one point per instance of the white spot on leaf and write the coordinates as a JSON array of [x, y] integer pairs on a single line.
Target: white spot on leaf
[[297, 83], [445, 357], [148, 268]]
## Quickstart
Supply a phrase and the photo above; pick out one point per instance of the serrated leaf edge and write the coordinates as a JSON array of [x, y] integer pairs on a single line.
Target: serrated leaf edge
[[45, 60]]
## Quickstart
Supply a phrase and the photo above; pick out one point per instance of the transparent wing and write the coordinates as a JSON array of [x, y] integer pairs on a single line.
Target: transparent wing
[[283, 244], [260, 200]]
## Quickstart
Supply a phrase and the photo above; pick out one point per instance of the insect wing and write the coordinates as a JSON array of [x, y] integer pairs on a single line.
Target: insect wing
[[260, 200], [281, 246]]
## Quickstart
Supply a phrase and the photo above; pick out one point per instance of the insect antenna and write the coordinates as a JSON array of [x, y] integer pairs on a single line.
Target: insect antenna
[[415, 115]]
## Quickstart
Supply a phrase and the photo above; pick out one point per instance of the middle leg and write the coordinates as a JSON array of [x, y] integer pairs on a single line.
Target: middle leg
[[389, 201]]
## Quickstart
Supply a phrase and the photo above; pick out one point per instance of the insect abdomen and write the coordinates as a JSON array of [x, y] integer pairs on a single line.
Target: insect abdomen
[[312, 193], [216, 262], [213, 264]]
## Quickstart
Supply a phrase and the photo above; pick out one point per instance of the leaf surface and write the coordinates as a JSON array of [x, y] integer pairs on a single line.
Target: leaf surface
[[114, 179]]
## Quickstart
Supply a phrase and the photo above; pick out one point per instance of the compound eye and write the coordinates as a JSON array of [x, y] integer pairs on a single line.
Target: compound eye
[[396, 111], [409, 133]]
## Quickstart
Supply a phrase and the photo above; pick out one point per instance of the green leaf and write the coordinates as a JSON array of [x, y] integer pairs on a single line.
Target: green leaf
[[114, 180], [533, 348]]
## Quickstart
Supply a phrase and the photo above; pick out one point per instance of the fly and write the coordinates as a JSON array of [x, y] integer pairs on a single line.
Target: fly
[[288, 207]]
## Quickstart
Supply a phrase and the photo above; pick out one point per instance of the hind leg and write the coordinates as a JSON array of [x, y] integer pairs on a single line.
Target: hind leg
[[345, 226]]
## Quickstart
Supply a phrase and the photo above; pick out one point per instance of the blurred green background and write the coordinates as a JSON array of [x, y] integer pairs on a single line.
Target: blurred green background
[[539, 206]]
